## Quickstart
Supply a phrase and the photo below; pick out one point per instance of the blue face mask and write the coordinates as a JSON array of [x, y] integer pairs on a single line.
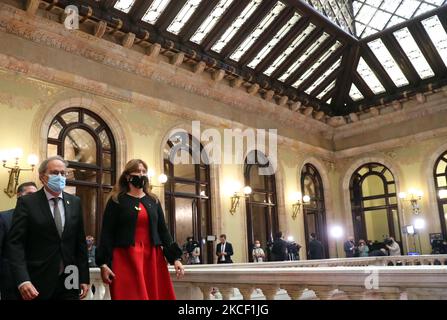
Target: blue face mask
[[56, 183]]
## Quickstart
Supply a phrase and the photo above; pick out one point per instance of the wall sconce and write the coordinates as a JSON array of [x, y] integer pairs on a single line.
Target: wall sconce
[[235, 198], [413, 196], [298, 200], [14, 170], [162, 179]]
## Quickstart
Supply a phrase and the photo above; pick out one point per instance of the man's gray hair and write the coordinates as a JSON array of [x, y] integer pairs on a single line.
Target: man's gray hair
[[44, 165]]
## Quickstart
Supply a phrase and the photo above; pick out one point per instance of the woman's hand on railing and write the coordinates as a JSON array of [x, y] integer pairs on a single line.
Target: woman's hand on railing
[[179, 269], [107, 274]]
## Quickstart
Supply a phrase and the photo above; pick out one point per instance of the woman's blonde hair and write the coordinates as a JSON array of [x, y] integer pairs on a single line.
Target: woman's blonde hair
[[122, 186]]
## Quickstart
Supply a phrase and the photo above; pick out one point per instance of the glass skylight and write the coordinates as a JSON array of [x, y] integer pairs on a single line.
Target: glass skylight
[[323, 58], [370, 78], [437, 35], [338, 11], [124, 5], [413, 52], [183, 16], [299, 39], [355, 93], [372, 16], [211, 20], [155, 10], [300, 61], [388, 62], [267, 21], [322, 77], [236, 25], [281, 34]]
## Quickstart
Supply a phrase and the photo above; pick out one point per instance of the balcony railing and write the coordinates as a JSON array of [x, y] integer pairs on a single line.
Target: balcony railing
[[401, 277]]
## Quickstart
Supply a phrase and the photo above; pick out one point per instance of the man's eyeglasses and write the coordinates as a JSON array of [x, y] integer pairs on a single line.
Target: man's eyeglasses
[[56, 173]]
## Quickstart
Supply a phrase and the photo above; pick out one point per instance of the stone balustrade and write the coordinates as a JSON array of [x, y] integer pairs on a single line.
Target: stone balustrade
[[324, 283], [408, 277]]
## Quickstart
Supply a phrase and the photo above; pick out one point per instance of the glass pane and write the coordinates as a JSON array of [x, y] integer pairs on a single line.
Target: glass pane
[[256, 181], [155, 10], [183, 16], [184, 212], [309, 187], [105, 142], [212, 19], [323, 58], [51, 150], [372, 186], [388, 175], [442, 182], [413, 52], [298, 40], [91, 122], [337, 11], [89, 199], [203, 191], [124, 5], [386, 59], [86, 175], [441, 168], [392, 200], [279, 35], [323, 77], [437, 35], [203, 176], [363, 171], [376, 225], [236, 25], [185, 188], [259, 223], [204, 228], [107, 178], [259, 197], [55, 130], [260, 28], [370, 78], [392, 188], [186, 171], [355, 93], [301, 59], [80, 146], [71, 117], [107, 160], [374, 203], [444, 208]]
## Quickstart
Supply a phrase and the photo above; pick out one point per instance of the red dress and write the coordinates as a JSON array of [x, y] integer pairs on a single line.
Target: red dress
[[141, 271]]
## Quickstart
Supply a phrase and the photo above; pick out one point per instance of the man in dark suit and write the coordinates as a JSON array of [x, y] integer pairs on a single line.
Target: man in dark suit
[[349, 247], [316, 250], [279, 248], [8, 291], [224, 250], [46, 244]]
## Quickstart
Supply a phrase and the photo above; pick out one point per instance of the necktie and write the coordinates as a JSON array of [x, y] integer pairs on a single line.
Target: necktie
[[58, 217]]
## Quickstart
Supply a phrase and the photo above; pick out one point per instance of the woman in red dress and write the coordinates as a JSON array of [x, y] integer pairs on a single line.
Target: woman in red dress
[[135, 242]]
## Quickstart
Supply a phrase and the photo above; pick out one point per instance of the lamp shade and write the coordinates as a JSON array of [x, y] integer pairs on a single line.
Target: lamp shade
[[162, 178], [33, 160]]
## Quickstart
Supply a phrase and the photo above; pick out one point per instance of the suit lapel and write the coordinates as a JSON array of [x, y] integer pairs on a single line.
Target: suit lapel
[[46, 211]]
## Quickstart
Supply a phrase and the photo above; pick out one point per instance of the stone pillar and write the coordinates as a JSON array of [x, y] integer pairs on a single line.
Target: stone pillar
[[269, 291], [322, 292], [226, 291], [246, 291], [206, 289], [294, 291]]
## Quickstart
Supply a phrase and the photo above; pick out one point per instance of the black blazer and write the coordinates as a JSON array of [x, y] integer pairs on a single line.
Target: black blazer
[[7, 286], [228, 250], [119, 224], [316, 250], [35, 249]]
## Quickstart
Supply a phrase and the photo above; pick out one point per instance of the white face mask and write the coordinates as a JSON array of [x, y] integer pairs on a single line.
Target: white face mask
[[258, 245]]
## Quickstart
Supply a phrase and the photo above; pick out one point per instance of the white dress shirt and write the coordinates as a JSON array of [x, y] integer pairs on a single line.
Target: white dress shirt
[[222, 250]]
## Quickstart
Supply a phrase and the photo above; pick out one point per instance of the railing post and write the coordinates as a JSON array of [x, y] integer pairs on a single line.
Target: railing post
[[322, 292], [269, 291], [246, 291], [294, 291], [206, 290]]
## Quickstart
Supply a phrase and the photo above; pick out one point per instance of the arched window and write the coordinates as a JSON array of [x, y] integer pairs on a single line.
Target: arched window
[[314, 212], [374, 203], [262, 214], [440, 175], [86, 142], [187, 193]]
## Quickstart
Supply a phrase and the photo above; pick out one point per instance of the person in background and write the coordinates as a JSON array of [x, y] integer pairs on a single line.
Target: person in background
[[224, 250], [258, 253], [316, 250], [293, 250], [349, 247], [393, 247], [91, 251], [8, 290], [47, 235], [135, 241], [279, 248], [191, 250], [363, 249]]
